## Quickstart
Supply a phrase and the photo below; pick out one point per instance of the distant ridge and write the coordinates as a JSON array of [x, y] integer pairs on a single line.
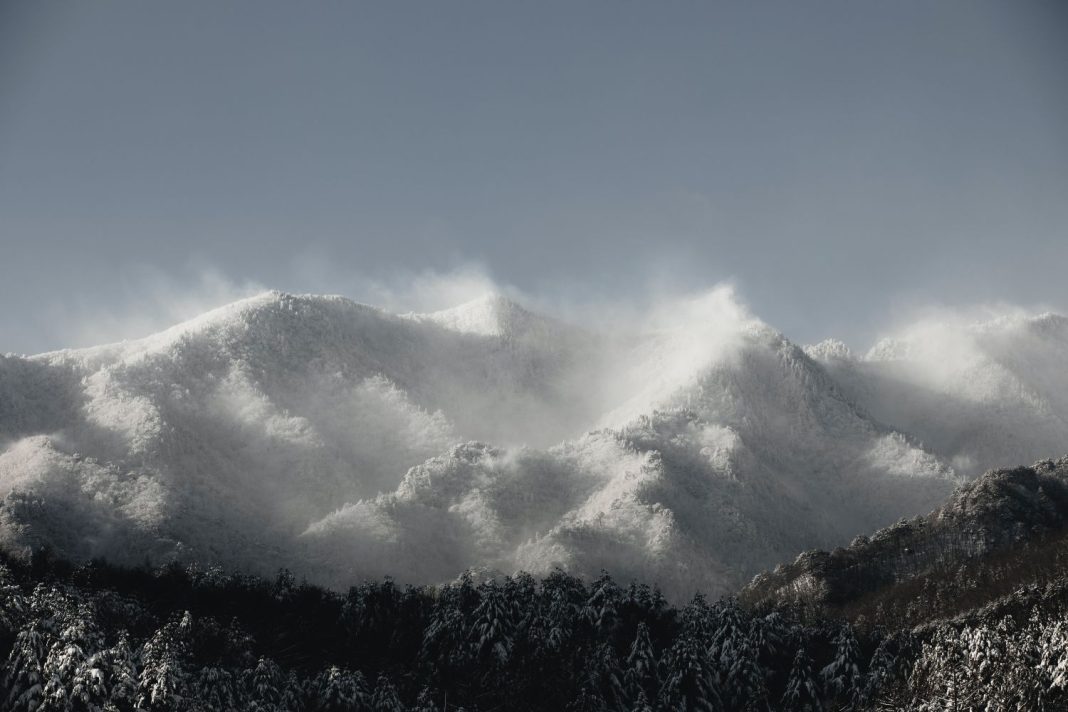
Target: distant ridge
[[344, 441]]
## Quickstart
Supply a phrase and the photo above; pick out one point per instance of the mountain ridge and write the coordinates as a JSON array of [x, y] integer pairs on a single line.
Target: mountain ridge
[[328, 435]]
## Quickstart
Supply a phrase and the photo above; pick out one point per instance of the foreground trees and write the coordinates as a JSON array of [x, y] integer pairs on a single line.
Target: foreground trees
[[100, 639]]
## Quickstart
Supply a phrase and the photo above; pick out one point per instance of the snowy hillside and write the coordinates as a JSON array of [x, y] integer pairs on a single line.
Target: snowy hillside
[[343, 441], [979, 395]]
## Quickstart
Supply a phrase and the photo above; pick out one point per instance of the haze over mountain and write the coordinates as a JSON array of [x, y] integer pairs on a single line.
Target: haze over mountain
[[345, 442], [981, 395]]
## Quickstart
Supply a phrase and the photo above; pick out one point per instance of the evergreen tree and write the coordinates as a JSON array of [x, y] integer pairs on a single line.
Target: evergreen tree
[[73, 671], [492, 628], [445, 649], [602, 606], [641, 674], [564, 597], [587, 700], [641, 703], [425, 702], [842, 679], [215, 690], [341, 690], [605, 676], [121, 675], [745, 687], [940, 677], [688, 683], [1022, 685], [293, 694], [264, 684], [802, 690], [24, 677], [385, 698], [882, 673], [13, 604], [164, 680]]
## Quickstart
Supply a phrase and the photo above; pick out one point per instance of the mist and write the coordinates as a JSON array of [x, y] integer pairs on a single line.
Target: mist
[[427, 437]]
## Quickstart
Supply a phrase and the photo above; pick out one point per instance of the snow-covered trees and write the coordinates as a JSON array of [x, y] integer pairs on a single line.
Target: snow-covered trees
[[509, 643], [341, 690], [76, 668], [24, 678], [215, 689], [842, 677], [164, 681], [264, 686], [802, 687], [493, 626], [121, 674], [12, 603], [385, 698], [688, 678], [640, 677]]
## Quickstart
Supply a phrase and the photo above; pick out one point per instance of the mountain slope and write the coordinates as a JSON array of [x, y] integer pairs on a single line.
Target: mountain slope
[[696, 494], [1006, 531], [344, 442], [977, 394]]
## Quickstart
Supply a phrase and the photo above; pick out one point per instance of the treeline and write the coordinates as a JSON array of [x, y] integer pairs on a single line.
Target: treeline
[[98, 637], [103, 638]]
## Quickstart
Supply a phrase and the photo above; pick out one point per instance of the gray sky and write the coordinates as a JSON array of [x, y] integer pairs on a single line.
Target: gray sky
[[840, 162]]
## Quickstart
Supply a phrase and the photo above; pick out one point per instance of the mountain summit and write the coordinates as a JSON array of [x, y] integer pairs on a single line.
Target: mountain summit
[[343, 441], [489, 315]]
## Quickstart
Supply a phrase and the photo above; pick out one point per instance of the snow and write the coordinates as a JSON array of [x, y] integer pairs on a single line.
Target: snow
[[489, 315], [979, 394], [342, 441]]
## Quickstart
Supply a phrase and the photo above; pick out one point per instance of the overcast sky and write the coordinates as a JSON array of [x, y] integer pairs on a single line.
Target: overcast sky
[[838, 161]]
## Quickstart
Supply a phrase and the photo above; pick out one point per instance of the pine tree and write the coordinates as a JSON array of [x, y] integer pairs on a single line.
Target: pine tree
[[882, 672], [1053, 660], [13, 604], [73, 671], [842, 679], [602, 606], [605, 676], [687, 681], [723, 628], [385, 698], [940, 675], [445, 648], [699, 620], [802, 691], [293, 694], [24, 677], [746, 687], [341, 690], [164, 681], [1020, 664], [587, 700], [641, 674], [264, 685], [641, 703], [425, 702], [563, 596], [215, 690], [121, 674], [491, 632]]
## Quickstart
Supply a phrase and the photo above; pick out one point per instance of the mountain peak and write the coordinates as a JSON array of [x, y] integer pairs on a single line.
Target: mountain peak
[[491, 314], [829, 350]]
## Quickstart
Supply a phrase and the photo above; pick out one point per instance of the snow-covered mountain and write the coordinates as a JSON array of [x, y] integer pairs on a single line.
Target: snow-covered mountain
[[980, 395], [343, 441]]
